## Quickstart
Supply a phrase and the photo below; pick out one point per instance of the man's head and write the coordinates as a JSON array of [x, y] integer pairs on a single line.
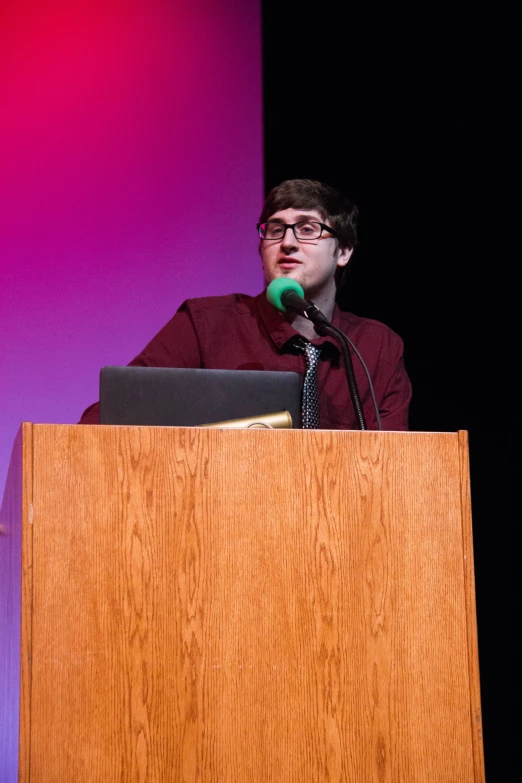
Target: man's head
[[318, 263], [307, 194]]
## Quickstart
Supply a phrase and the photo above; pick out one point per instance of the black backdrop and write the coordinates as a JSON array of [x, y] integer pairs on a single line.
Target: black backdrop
[[407, 115]]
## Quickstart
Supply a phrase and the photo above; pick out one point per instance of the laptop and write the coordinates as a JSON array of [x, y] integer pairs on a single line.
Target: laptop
[[185, 397]]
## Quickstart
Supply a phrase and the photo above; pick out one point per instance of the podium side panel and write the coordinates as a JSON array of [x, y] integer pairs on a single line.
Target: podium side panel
[[471, 610], [15, 602]]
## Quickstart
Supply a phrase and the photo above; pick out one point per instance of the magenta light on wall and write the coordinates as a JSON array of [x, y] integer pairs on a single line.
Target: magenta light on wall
[[130, 180]]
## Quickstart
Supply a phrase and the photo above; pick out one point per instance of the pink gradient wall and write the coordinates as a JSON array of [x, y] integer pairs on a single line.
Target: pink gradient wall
[[130, 179]]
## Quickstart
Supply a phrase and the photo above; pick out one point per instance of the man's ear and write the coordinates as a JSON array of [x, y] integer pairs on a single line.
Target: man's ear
[[345, 255]]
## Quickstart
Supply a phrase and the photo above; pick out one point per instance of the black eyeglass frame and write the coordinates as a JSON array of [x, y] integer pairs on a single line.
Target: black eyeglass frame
[[286, 226]]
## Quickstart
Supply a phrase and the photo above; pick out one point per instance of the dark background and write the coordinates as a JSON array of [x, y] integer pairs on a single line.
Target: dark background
[[409, 114]]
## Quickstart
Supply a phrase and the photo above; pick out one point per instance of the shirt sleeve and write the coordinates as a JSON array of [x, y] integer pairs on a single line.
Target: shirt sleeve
[[395, 403], [175, 345]]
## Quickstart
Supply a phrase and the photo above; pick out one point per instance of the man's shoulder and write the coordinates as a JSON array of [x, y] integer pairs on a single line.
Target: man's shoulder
[[239, 303], [357, 324]]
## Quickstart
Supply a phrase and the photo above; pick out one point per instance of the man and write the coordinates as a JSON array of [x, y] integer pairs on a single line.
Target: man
[[307, 232]]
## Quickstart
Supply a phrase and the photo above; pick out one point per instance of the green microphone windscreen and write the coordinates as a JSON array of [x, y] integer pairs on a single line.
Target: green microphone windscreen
[[276, 288]]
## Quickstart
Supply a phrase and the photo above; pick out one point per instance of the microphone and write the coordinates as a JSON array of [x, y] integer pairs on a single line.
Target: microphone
[[286, 294]]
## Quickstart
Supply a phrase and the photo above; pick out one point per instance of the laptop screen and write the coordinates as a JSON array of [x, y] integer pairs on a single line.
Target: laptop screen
[[184, 397]]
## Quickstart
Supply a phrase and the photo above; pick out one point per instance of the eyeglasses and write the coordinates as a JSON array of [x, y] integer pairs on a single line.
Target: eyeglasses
[[305, 229]]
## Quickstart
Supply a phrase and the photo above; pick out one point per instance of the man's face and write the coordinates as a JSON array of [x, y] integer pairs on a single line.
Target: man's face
[[311, 262]]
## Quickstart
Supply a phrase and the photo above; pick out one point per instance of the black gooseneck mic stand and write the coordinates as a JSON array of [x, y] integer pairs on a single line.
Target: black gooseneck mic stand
[[327, 328], [292, 300], [323, 326]]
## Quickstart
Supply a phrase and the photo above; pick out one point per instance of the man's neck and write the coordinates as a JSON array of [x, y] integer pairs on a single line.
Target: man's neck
[[325, 303]]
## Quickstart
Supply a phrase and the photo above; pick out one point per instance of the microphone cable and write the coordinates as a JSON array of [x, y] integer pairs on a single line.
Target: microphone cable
[[344, 340]]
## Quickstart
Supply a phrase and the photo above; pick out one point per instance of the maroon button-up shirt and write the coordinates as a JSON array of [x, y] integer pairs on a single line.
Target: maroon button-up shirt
[[240, 332]]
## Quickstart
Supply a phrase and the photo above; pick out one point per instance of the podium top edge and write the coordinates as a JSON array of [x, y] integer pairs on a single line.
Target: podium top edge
[[405, 433]]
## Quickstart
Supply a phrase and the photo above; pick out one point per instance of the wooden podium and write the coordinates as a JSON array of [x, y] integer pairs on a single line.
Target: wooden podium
[[192, 604]]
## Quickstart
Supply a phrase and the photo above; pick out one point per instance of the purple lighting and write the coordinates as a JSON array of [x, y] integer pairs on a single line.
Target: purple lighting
[[131, 179]]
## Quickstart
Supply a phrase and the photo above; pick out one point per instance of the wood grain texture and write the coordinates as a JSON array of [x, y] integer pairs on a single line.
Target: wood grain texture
[[228, 605]]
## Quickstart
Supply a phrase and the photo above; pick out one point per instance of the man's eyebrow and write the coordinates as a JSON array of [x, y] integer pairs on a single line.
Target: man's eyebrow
[[299, 218]]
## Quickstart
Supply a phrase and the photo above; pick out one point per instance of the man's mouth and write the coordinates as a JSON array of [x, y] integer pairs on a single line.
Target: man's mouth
[[288, 263]]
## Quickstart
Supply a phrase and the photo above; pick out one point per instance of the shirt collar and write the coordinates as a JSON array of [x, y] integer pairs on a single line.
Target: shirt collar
[[281, 331]]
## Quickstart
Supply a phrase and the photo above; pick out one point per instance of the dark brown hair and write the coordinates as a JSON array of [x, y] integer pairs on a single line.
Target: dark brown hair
[[335, 209]]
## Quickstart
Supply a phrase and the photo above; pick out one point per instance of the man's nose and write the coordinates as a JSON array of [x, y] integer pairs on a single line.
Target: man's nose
[[288, 238]]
